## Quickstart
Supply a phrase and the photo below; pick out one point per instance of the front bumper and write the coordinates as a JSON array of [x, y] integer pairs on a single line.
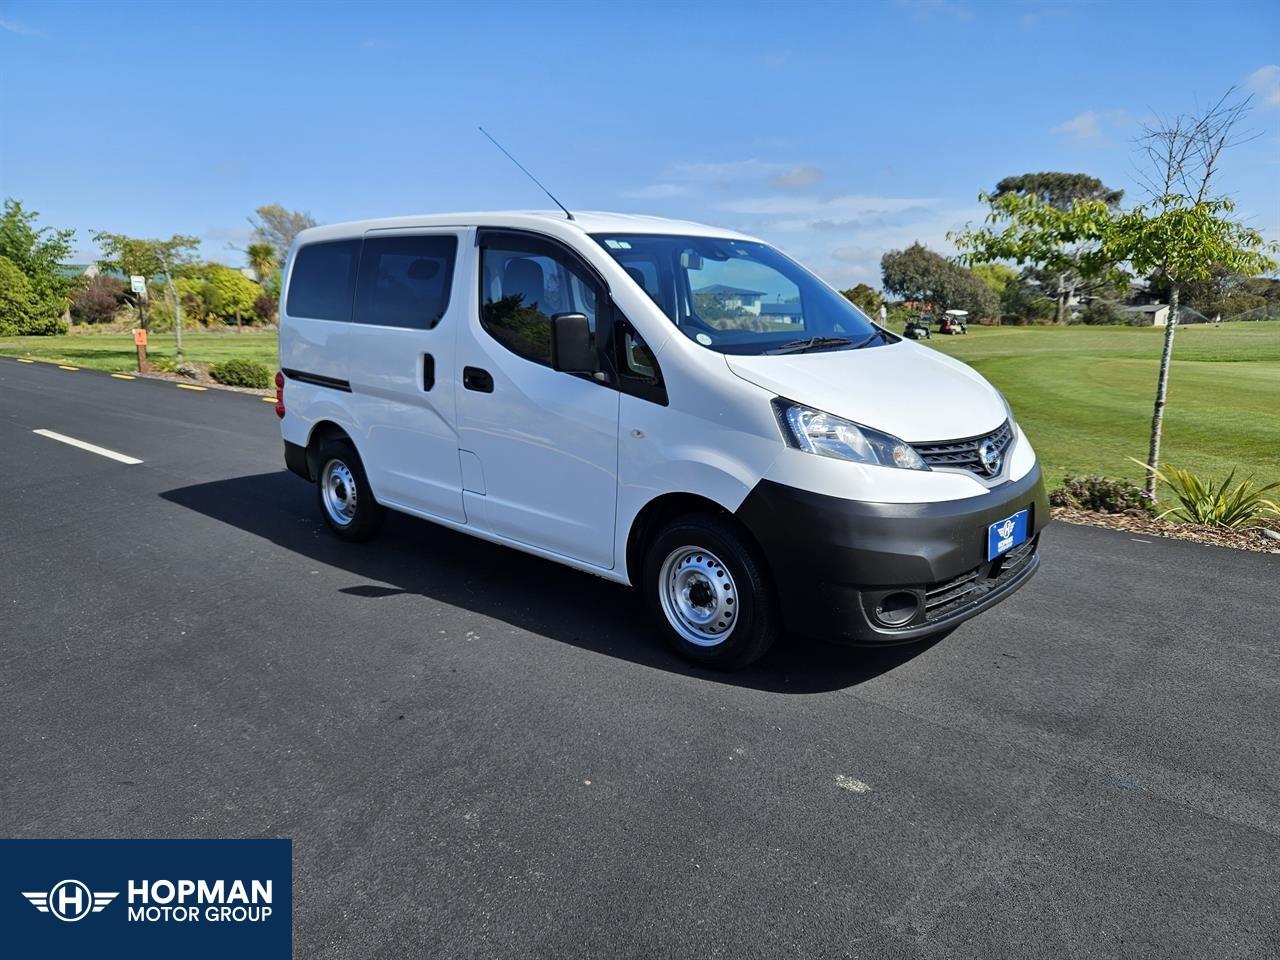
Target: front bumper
[[835, 560]]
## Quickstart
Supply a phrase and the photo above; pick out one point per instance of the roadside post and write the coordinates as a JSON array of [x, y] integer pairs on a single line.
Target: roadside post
[[140, 341], [138, 285]]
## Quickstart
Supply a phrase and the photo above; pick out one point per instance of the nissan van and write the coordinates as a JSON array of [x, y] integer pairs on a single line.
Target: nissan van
[[668, 405]]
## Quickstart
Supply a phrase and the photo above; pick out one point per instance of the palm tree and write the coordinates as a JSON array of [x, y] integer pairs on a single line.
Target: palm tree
[[262, 259]]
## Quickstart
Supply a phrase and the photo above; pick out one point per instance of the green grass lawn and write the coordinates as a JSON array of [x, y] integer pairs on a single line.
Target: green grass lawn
[[1083, 394], [116, 352]]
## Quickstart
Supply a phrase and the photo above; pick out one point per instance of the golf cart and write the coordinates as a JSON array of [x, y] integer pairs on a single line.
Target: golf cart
[[918, 329], [954, 321]]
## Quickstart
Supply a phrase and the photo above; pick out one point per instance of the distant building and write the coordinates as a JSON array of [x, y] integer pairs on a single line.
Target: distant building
[[1148, 314], [735, 298], [786, 312]]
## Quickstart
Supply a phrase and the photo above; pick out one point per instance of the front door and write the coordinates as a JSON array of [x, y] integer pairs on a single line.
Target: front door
[[546, 441]]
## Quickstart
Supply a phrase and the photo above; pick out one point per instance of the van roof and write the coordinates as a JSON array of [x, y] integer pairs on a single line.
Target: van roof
[[551, 221]]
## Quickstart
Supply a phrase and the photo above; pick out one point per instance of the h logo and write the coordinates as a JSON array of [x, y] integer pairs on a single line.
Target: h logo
[[70, 900]]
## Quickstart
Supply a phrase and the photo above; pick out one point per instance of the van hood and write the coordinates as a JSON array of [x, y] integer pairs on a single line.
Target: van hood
[[910, 391]]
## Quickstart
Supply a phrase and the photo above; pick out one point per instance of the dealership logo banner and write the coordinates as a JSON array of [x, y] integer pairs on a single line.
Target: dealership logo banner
[[147, 898]]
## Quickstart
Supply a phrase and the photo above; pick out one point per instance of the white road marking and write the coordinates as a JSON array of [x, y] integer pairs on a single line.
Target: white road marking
[[850, 784], [100, 451]]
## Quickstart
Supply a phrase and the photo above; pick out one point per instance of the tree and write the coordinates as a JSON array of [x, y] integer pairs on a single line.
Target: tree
[[148, 258], [1058, 239], [919, 274], [262, 260], [277, 227], [38, 254], [864, 298], [1058, 189], [1185, 232]]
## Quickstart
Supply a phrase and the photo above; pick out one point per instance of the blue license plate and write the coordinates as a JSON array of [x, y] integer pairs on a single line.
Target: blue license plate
[[1006, 534]]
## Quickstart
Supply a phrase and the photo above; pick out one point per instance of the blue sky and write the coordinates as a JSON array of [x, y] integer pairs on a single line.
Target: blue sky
[[834, 131]]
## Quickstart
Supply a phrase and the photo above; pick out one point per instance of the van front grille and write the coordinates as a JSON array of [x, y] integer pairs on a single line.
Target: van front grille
[[965, 455]]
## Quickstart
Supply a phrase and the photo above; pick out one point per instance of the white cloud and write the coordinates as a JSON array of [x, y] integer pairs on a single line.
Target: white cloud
[[12, 26], [1091, 127], [1083, 127], [804, 175], [816, 209], [1265, 84]]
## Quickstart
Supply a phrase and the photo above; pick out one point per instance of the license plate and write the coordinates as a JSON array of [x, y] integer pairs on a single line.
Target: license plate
[[1006, 534]]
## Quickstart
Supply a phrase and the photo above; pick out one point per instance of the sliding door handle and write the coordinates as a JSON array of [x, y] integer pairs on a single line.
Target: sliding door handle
[[481, 381]]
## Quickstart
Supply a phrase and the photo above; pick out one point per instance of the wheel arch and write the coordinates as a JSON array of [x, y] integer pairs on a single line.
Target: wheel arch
[[321, 433], [660, 511]]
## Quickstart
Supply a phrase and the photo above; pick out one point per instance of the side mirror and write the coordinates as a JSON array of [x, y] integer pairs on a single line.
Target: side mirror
[[573, 349]]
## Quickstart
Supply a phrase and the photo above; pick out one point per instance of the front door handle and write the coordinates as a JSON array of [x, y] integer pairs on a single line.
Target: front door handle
[[473, 378]]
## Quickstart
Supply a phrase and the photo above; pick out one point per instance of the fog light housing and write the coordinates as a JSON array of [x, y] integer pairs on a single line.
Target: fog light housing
[[897, 609]]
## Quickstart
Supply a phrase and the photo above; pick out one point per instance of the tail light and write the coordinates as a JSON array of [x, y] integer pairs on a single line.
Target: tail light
[[279, 394]]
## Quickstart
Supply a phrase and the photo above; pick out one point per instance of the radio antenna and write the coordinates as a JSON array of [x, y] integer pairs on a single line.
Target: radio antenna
[[527, 173]]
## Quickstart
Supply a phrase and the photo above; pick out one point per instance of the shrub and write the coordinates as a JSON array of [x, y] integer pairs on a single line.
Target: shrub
[[241, 373], [226, 291], [1103, 313], [16, 299], [22, 312], [1101, 495], [265, 307], [98, 300], [162, 362], [1217, 505]]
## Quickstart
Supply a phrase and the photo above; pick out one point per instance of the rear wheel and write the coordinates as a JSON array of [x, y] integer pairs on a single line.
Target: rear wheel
[[709, 592], [346, 499]]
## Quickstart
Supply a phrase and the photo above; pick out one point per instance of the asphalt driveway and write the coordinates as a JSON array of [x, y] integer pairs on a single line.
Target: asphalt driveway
[[482, 754]]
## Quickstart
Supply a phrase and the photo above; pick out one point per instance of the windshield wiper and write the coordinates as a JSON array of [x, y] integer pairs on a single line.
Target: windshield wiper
[[811, 343], [878, 335]]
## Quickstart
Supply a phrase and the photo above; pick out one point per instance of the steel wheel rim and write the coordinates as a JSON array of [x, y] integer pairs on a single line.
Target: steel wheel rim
[[338, 491], [698, 595]]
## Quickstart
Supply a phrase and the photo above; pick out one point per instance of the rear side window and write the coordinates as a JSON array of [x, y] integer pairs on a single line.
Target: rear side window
[[323, 281], [405, 281]]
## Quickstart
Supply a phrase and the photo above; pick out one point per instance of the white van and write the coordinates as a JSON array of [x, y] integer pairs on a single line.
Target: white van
[[664, 404]]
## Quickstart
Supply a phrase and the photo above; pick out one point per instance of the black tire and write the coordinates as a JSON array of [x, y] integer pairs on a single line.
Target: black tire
[[339, 466], [745, 597]]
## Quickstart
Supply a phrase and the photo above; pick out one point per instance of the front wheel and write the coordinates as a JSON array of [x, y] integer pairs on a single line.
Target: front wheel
[[710, 593], [346, 499]]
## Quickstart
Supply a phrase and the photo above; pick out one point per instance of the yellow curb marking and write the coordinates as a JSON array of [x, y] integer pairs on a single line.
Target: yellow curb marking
[[63, 366], [123, 376], [267, 399], [187, 386], [24, 360]]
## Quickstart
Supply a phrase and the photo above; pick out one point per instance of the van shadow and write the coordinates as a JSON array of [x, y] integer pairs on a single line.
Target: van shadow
[[414, 556]]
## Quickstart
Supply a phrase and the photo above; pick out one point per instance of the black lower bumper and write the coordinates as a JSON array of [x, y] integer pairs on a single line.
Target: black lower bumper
[[295, 458], [839, 564]]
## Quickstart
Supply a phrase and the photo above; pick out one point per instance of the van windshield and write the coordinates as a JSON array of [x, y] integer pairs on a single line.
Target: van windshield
[[740, 297]]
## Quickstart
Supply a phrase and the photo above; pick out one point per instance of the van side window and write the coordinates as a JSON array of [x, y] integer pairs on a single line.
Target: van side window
[[521, 290], [405, 281], [323, 282]]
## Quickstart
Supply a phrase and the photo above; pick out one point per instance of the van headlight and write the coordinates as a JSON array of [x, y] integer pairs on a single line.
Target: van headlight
[[830, 436]]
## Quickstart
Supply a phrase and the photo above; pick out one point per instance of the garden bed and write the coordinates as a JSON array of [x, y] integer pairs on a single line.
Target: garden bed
[[1250, 539]]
